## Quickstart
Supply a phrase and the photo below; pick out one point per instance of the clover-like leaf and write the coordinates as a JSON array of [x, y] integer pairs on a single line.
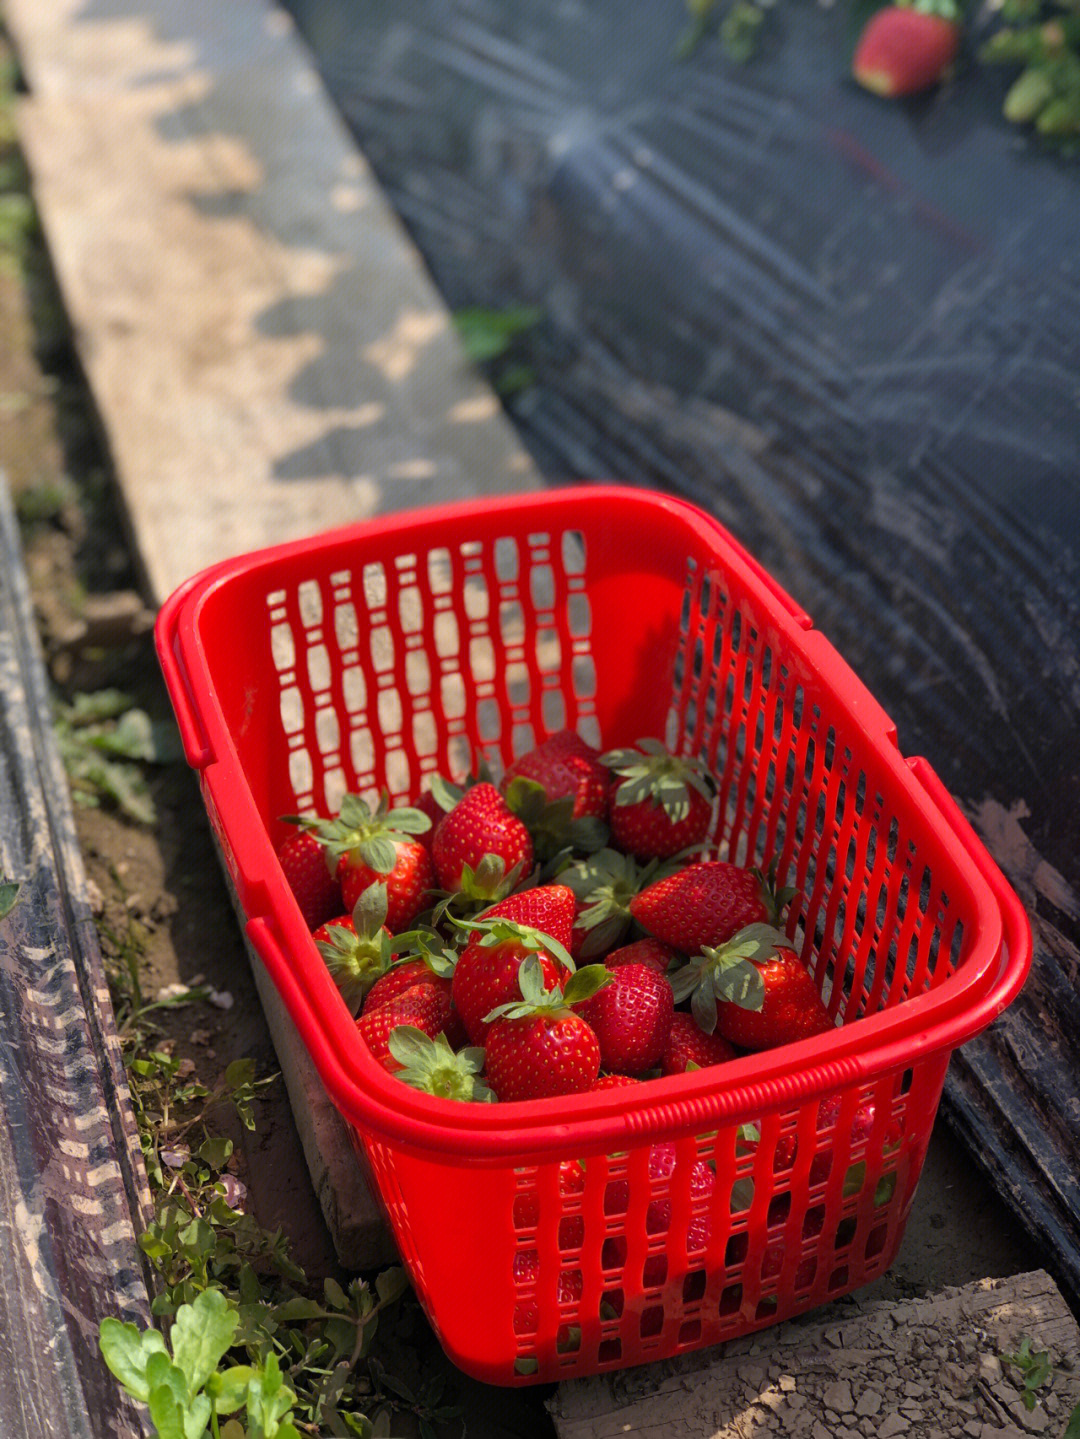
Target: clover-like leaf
[[202, 1333], [126, 1350]]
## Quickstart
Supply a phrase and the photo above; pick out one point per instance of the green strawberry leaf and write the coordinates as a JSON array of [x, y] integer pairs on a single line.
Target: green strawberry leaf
[[703, 1008], [431, 1066], [227, 1388], [378, 852], [586, 982], [369, 912], [126, 1350], [391, 1284], [9, 893], [738, 982]]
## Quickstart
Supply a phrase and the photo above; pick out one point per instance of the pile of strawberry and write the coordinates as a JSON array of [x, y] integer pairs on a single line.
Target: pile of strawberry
[[564, 930]]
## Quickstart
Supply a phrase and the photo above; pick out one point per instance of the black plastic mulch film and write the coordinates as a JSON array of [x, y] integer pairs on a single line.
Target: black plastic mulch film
[[851, 330]]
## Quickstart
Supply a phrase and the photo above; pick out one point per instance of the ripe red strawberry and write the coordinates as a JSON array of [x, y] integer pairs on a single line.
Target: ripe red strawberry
[[537, 1047], [379, 845], [357, 948], [404, 975], [565, 767], [652, 952], [791, 1007], [615, 1081], [480, 847], [535, 921], [903, 50], [310, 878], [705, 903], [568, 1290], [753, 990], [631, 1016], [571, 1184], [424, 1007], [687, 1046], [559, 790], [660, 803]]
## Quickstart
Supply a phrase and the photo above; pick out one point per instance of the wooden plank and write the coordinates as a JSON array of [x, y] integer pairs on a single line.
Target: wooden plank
[[930, 1366], [267, 352], [73, 1191]]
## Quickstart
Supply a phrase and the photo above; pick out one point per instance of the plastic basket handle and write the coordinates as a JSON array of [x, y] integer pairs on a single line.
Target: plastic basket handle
[[197, 748]]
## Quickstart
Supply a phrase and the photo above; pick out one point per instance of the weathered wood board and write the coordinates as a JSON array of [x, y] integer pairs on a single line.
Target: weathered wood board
[[927, 1368], [73, 1193], [267, 353]]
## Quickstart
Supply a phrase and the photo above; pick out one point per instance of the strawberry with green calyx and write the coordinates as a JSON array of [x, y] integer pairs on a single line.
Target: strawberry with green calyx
[[552, 825], [754, 990], [534, 922], [432, 965], [442, 795], [358, 948], [603, 884], [907, 47], [368, 845], [424, 1007], [480, 848], [631, 1016], [559, 790], [307, 873], [706, 902], [660, 803], [688, 1047], [433, 1067], [537, 1046]]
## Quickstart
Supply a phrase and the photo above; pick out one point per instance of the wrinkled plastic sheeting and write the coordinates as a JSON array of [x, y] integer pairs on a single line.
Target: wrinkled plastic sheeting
[[851, 330]]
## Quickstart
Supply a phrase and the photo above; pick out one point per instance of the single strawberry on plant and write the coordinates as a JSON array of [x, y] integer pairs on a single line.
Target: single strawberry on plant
[[537, 1047], [434, 1067], [631, 1017], [706, 902], [311, 879], [535, 921], [481, 848], [907, 48], [660, 803], [754, 990], [370, 845], [358, 948]]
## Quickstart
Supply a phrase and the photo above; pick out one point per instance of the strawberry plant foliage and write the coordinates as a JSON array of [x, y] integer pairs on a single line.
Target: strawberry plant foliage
[[249, 1347]]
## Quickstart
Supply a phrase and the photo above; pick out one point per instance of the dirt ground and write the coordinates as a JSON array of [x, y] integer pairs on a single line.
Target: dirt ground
[[158, 887]]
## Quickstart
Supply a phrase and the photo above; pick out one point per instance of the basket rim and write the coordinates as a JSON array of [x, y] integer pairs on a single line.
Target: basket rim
[[380, 1105]]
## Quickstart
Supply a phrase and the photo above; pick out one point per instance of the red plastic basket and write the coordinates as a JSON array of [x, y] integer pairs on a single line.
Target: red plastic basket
[[372, 656]]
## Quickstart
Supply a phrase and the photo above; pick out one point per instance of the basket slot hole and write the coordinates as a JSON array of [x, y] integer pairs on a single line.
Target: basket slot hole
[[410, 611], [389, 712], [690, 1331], [282, 647], [518, 689], [440, 572], [613, 1253], [318, 668], [309, 602], [553, 709], [452, 695], [652, 1321], [481, 660], [346, 626], [445, 634], [875, 1240], [738, 1246], [353, 689], [542, 586], [548, 652], [611, 1304], [373, 583], [417, 673], [573, 552], [838, 1278], [361, 751], [512, 623], [506, 559], [291, 708], [301, 774], [578, 615], [398, 773], [571, 1232], [476, 600], [425, 737], [610, 1351], [327, 731], [693, 1290]]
